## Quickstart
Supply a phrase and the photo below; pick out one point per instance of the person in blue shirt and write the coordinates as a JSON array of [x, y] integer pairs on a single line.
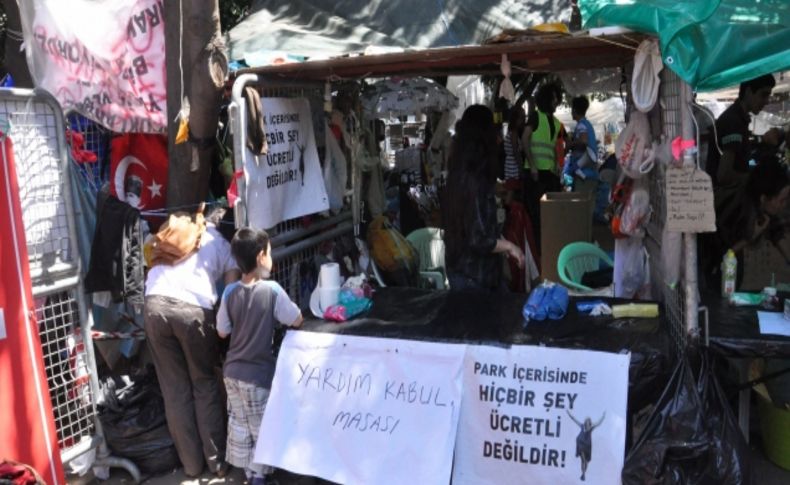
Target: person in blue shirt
[[583, 157]]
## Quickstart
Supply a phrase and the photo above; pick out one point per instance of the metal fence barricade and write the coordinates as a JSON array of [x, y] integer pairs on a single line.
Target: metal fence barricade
[[293, 245], [38, 131]]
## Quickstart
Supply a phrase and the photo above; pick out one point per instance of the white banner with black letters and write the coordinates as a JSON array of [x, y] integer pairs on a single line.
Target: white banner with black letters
[[287, 182], [541, 416], [102, 58], [359, 410]]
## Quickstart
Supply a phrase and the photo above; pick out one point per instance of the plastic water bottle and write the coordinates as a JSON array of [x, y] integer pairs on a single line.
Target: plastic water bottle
[[729, 272]]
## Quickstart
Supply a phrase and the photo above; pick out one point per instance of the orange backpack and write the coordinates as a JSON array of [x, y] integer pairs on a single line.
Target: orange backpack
[[178, 237]]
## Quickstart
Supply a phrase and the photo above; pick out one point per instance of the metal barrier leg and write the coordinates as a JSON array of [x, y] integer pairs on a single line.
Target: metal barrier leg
[[744, 397], [104, 459]]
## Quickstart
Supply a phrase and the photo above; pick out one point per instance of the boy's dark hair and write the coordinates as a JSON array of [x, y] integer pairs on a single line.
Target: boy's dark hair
[[545, 96], [764, 81], [245, 247], [580, 105]]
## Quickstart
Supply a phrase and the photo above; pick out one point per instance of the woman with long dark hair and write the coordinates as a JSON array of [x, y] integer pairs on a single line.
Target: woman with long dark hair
[[473, 245]]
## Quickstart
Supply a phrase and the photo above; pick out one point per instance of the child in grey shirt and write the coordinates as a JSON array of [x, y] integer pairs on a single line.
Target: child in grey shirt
[[248, 311]]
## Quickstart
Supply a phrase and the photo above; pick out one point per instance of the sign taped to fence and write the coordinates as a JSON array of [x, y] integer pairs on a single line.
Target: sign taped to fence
[[286, 182], [554, 415], [360, 410], [103, 59], [689, 201]]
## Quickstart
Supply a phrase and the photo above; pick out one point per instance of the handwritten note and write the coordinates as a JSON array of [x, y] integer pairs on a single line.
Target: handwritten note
[[773, 323], [349, 409], [690, 207]]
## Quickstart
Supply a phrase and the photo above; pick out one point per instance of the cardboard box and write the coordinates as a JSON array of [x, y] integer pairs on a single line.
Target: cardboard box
[[565, 217]]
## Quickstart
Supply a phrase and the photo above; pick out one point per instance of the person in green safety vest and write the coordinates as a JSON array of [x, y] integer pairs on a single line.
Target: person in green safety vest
[[540, 138]]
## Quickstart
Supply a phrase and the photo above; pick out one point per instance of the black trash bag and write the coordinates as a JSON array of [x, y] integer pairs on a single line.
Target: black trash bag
[[691, 438], [133, 419], [734, 464]]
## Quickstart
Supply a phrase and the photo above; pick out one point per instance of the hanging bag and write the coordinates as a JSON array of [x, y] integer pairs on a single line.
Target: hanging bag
[[178, 237], [634, 148]]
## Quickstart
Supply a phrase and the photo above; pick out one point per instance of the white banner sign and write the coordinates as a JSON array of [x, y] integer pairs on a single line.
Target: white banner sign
[[359, 410], [532, 415], [286, 182], [102, 58]]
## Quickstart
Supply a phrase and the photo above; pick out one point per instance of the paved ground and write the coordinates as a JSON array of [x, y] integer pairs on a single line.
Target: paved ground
[[177, 477], [763, 473]]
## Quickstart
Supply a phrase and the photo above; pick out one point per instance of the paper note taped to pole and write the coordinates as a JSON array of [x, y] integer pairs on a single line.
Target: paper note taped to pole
[[689, 193]]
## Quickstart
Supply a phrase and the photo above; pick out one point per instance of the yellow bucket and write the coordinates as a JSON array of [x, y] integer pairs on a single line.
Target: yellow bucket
[[775, 427]]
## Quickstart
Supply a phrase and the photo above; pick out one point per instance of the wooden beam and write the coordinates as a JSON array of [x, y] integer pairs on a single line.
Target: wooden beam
[[541, 55]]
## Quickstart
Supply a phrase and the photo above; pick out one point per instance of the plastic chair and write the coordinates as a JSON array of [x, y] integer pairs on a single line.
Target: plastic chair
[[429, 243], [578, 258]]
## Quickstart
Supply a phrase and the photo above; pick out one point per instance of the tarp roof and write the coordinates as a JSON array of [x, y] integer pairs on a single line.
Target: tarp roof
[[327, 28], [710, 44]]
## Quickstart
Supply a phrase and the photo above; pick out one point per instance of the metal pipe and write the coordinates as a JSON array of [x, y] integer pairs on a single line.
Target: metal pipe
[[43, 289], [284, 252], [283, 239], [238, 127], [117, 462], [689, 239]]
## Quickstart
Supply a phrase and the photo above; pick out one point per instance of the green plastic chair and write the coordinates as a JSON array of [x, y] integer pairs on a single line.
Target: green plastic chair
[[578, 258], [429, 243]]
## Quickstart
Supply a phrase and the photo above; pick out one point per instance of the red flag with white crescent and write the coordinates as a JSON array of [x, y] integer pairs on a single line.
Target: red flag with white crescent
[[138, 170]]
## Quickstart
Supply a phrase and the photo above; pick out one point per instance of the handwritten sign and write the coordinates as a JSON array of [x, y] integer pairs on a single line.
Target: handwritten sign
[[554, 415], [359, 410], [105, 60], [286, 182], [689, 201]]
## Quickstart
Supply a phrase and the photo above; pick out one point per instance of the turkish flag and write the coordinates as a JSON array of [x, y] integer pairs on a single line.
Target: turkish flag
[[138, 169]]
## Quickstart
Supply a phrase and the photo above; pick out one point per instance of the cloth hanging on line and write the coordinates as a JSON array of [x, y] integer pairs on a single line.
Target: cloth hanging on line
[[256, 133], [116, 263]]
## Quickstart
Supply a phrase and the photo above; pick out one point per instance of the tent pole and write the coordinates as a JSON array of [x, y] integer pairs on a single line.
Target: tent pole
[[237, 117], [689, 239]]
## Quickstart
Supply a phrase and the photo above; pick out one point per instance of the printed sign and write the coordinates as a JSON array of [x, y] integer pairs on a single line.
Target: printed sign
[[287, 181], [104, 59], [359, 410], [690, 201], [541, 416]]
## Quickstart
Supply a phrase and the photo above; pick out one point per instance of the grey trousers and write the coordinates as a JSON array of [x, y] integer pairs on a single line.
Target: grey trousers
[[184, 344]]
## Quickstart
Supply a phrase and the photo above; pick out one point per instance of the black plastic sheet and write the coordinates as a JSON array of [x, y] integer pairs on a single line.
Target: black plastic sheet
[[482, 317], [133, 419], [691, 437], [735, 331]]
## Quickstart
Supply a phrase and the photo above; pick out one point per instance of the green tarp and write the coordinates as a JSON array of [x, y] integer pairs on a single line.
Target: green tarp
[[711, 44]]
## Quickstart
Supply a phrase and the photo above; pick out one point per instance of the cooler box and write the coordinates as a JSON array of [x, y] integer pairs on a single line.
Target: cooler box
[[565, 217]]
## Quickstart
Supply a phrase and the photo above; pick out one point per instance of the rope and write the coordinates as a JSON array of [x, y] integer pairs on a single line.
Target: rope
[[134, 334], [181, 51], [614, 42]]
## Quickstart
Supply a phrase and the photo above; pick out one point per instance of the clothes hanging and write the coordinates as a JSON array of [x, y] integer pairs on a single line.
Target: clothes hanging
[[116, 263], [256, 133]]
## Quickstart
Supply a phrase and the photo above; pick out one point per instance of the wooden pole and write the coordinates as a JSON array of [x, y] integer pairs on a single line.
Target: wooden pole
[[195, 54]]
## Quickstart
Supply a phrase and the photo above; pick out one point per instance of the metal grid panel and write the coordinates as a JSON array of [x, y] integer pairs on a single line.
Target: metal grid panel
[[289, 273], [287, 270], [673, 298], [96, 140], [67, 367], [38, 134], [41, 184]]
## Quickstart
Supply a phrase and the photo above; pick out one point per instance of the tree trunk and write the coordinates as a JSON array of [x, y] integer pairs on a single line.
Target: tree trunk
[[15, 60], [193, 25]]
